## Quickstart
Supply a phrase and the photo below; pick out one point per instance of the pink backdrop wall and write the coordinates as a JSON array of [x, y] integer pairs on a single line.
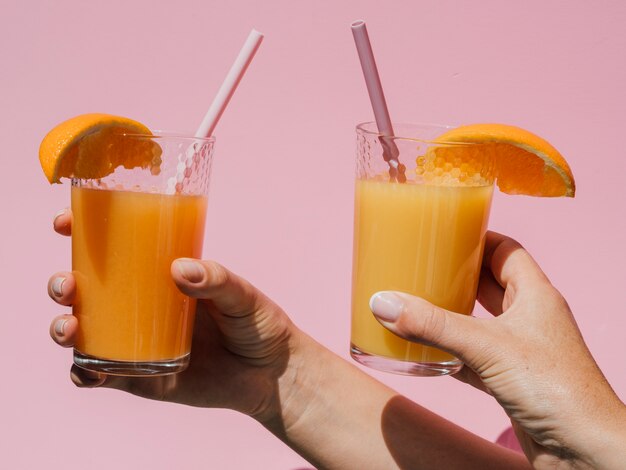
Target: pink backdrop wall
[[281, 198]]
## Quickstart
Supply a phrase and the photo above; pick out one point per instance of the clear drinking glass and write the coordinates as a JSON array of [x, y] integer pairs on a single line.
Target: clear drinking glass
[[127, 229], [424, 236]]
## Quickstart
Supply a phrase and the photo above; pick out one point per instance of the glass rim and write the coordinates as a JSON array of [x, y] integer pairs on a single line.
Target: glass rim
[[161, 134], [362, 128]]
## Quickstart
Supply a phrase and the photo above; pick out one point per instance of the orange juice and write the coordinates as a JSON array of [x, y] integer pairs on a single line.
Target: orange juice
[[425, 240], [123, 244]]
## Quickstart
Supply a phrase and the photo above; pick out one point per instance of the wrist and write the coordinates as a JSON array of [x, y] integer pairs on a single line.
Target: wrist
[[606, 446], [295, 386]]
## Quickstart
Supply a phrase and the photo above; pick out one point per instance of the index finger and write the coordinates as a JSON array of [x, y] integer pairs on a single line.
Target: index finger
[[509, 262], [62, 222]]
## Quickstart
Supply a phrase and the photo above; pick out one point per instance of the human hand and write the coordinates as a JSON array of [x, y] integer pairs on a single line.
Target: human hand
[[531, 358], [243, 344], [248, 356]]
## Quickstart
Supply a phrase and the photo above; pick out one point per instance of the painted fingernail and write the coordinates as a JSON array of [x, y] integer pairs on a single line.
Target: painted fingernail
[[59, 327], [386, 305], [190, 270], [57, 286], [58, 214]]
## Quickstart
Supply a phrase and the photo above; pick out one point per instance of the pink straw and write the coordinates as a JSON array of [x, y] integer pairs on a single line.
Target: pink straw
[[213, 115], [377, 98], [229, 86]]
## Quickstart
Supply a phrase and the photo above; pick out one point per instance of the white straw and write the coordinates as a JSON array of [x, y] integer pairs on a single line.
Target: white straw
[[229, 86], [213, 115]]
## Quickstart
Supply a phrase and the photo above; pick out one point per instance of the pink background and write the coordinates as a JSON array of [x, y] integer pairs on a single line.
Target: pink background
[[281, 198]]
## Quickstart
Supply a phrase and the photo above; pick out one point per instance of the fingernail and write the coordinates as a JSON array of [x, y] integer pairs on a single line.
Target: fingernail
[[386, 305], [58, 214], [190, 270], [59, 327], [57, 286]]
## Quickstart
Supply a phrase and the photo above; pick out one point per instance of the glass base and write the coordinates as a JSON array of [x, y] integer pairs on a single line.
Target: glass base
[[397, 366], [131, 369]]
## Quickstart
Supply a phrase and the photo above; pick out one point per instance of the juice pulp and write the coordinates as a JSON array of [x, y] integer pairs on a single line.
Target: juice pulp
[[420, 239], [123, 244]]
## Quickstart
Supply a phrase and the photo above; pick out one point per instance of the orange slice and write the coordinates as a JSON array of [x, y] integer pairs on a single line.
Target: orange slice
[[92, 146], [524, 162]]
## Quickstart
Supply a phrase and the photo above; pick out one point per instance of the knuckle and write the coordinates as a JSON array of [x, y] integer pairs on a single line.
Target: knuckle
[[218, 275], [433, 324], [427, 326]]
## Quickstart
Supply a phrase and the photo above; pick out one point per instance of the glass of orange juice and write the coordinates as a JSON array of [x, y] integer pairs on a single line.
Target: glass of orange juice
[[127, 229], [423, 236]]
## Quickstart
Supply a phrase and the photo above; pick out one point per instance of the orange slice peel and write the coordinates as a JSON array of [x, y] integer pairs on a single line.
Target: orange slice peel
[[92, 146], [524, 162]]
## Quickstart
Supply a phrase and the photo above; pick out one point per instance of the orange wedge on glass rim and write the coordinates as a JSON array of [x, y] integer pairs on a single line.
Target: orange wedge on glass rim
[[524, 162], [91, 146]]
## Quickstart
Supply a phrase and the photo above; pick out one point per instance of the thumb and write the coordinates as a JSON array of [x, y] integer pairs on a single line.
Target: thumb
[[251, 325], [209, 281], [417, 320]]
